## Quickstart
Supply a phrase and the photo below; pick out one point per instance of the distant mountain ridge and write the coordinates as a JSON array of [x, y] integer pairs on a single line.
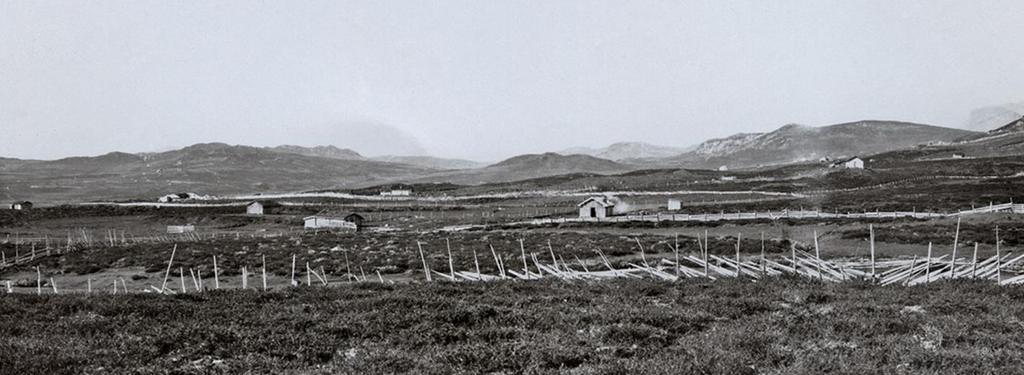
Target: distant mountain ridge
[[621, 151], [430, 162], [333, 152], [329, 151], [531, 166], [798, 143], [208, 168], [218, 168]]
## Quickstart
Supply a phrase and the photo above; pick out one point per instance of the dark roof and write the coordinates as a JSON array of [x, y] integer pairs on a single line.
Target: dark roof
[[603, 201]]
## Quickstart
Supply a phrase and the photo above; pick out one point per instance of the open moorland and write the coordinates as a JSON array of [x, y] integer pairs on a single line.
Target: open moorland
[[762, 270], [780, 326]]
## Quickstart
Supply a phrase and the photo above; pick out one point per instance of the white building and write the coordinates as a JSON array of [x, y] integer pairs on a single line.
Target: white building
[[723, 168], [397, 193], [854, 163], [180, 228], [596, 207], [324, 222], [254, 208], [851, 163], [675, 205], [21, 205]]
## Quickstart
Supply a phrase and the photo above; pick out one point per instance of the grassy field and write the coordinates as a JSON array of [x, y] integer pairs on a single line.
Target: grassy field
[[780, 326]]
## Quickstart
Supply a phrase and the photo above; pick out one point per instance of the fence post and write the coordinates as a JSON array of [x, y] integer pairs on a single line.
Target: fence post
[[928, 265], [999, 274], [871, 229], [956, 241]]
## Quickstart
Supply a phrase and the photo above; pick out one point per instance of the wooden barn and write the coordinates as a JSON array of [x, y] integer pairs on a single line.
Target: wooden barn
[[596, 207], [24, 205]]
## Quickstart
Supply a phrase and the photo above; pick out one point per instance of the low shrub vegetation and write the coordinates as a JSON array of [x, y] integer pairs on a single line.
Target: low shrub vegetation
[[777, 326]]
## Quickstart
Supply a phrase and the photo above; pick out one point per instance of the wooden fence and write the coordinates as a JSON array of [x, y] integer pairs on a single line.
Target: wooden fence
[[776, 215]]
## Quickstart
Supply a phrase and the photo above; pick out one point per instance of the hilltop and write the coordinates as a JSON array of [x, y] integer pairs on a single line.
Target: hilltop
[[797, 143], [329, 151], [622, 151], [531, 166]]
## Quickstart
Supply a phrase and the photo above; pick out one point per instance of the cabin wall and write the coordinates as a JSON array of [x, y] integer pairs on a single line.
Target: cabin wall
[[599, 211]]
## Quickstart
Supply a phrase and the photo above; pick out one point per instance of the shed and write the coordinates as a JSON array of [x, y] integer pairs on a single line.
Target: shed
[[854, 163], [851, 163], [596, 207], [355, 218], [254, 208], [23, 205], [675, 205], [326, 222]]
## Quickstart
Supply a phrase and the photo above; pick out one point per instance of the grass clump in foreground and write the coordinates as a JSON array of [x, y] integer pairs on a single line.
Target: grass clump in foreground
[[783, 326]]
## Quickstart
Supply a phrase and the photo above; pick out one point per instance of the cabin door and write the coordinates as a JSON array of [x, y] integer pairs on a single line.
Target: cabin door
[[593, 212]]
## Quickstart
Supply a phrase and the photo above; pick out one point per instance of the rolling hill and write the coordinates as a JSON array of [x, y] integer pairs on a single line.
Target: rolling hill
[[217, 168], [627, 150], [1005, 141], [331, 152], [430, 162], [211, 168], [796, 143], [531, 166]]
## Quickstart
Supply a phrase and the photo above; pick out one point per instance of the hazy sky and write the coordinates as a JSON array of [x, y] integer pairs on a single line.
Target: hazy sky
[[486, 79]]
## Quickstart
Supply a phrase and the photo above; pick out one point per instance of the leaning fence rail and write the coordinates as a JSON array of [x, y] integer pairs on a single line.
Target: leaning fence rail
[[675, 266]]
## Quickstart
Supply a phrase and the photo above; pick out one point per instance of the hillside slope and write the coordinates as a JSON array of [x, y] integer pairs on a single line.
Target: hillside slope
[[430, 162], [531, 166], [627, 150], [987, 118], [212, 168], [1004, 141], [330, 152], [797, 143]]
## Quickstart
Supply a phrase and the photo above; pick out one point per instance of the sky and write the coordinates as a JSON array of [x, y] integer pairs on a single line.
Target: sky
[[486, 80]]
